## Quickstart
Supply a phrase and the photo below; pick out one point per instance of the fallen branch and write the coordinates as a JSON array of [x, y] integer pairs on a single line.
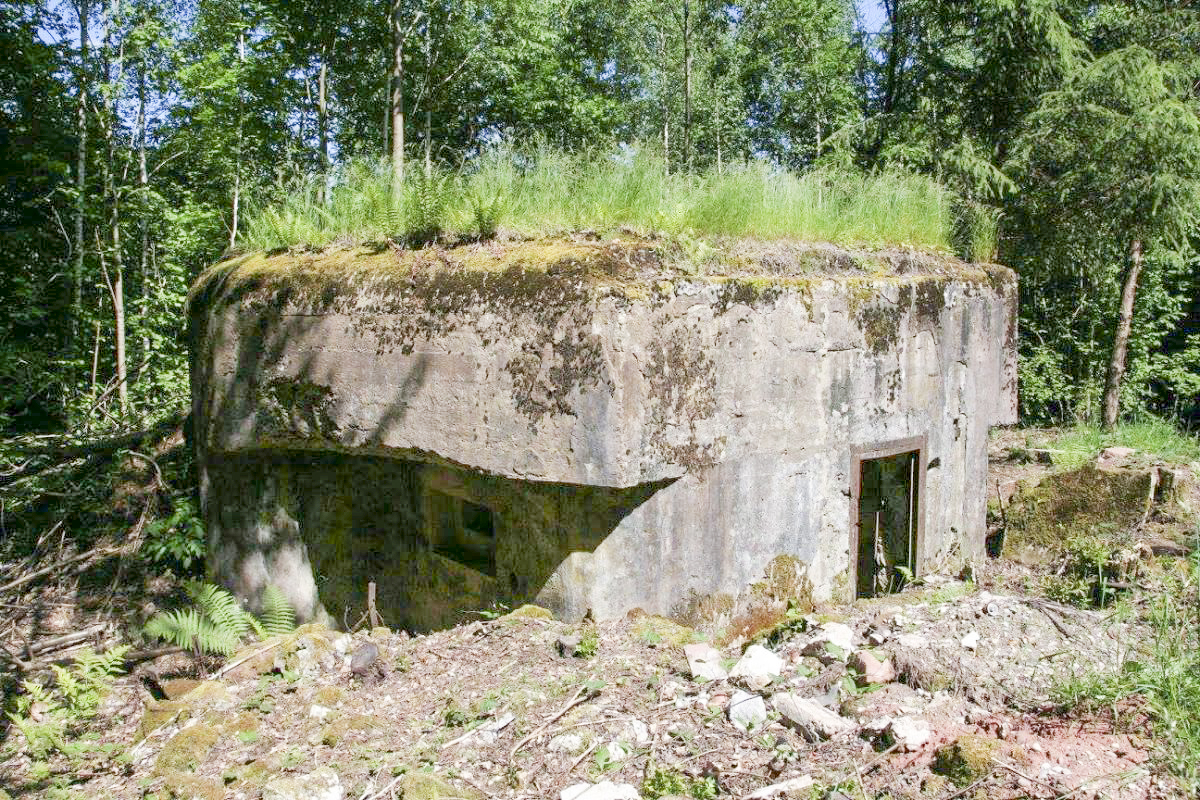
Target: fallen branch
[[32, 576], [578, 699]]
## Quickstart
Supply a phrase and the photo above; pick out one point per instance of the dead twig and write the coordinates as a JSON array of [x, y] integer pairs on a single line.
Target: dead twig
[[238, 662], [32, 576], [577, 699]]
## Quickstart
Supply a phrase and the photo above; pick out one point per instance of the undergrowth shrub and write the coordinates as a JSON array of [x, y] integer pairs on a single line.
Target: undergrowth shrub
[[216, 623], [49, 715], [176, 541]]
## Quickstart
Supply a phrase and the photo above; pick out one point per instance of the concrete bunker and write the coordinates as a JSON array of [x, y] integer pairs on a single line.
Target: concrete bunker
[[592, 426]]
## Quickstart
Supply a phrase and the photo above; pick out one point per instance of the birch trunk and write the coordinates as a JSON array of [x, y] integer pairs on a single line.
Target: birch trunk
[[1116, 365]]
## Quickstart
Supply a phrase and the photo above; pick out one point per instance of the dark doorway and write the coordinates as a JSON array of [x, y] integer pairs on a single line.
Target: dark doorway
[[888, 522]]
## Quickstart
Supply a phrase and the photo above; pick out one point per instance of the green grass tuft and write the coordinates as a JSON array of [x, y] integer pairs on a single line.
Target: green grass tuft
[[542, 191], [1151, 436]]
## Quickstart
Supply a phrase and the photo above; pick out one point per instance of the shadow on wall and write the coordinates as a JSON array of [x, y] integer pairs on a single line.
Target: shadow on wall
[[439, 541]]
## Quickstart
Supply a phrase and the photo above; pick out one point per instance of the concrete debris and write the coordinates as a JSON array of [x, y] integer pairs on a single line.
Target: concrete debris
[[813, 721], [704, 661], [320, 784], [757, 667], [747, 711], [871, 670], [784, 789], [970, 641], [605, 790], [911, 734]]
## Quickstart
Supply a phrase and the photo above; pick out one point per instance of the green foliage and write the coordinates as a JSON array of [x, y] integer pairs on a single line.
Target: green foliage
[[177, 540], [589, 643], [1152, 437], [1090, 564], [216, 622], [48, 716], [662, 781], [1166, 674]]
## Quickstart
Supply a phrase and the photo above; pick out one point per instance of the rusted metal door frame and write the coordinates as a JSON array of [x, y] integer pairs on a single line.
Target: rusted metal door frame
[[896, 447]]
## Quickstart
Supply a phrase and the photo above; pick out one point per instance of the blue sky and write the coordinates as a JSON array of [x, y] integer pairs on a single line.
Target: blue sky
[[871, 12]]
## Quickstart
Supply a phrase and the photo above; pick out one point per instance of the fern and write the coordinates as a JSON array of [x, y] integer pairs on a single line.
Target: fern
[[278, 616], [216, 623]]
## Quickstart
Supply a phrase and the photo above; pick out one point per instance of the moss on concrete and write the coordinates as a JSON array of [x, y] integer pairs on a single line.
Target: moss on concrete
[[967, 759], [186, 750], [179, 786], [1065, 503], [427, 786]]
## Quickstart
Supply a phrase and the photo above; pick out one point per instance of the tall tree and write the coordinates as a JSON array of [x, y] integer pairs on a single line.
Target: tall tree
[[1111, 166]]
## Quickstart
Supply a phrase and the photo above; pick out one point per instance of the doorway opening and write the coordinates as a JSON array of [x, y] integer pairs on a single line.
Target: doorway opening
[[887, 521]]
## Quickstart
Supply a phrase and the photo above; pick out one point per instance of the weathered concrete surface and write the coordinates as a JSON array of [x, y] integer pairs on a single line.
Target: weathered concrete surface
[[645, 437]]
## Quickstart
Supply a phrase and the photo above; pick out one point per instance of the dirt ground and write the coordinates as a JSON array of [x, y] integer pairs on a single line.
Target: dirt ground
[[968, 703]]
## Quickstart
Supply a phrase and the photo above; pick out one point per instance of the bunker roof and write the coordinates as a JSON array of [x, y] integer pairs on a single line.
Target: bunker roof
[[629, 265]]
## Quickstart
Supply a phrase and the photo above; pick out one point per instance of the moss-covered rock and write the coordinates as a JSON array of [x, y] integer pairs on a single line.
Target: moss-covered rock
[[665, 630], [178, 687], [181, 786], [159, 713], [251, 776], [186, 750], [342, 727], [329, 696], [427, 786], [1042, 517], [967, 759], [528, 611]]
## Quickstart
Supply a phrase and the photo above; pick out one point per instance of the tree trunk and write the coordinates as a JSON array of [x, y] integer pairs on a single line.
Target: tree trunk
[[1116, 365], [323, 124], [81, 133], [144, 226], [428, 98], [396, 99], [687, 86], [237, 158], [117, 286]]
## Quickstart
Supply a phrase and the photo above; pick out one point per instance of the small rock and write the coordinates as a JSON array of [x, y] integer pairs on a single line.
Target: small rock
[[911, 734], [566, 743], [912, 641], [616, 751], [636, 731], [704, 662], [317, 711], [871, 670], [757, 667], [605, 790], [364, 659], [568, 645], [833, 642], [784, 788], [489, 731], [342, 643], [814, 721], [971, 640], [320, 784], [747, 711]]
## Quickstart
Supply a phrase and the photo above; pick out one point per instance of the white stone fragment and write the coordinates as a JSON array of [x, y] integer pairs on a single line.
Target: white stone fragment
[[704, 661], [971, 640], [605, 790], [813, 720], [786, 787], [320, 784], [911, 734], [747, 711], [758, 667]]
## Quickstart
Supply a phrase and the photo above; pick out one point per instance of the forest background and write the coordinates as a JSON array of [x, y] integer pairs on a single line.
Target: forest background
[[137, 136]]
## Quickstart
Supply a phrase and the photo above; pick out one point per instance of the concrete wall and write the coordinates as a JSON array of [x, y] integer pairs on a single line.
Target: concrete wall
[[645, 446]]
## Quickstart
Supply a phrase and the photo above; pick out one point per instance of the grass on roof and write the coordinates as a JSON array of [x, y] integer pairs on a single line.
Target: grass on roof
[[546, 192]]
